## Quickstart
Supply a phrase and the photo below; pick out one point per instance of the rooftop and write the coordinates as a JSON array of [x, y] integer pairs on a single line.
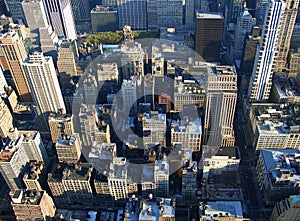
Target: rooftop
[[30, 197], [68, 140], [152, 210], [209, 15], [80, 171], [224, 208], [282, 165], [118, 168]]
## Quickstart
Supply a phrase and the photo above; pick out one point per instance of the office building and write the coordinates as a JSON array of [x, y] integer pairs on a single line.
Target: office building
[[32, 205], [277, 174], [222, 210], [188, 133], [61, 18], [104, 18], [68, 148], [43, 82], [117, 178], [33, 176], [233, 9], [19, 149], [11, 44], [90, 89], [287, 209], [132, 59], [14, 8], [249, 52], [284, 39], [81, 10], [189, 15], [38, 23], [54, 181], [220, 106], [170, 14], [91, 128], [132, 13], [262, 74], [161, 177], [66, 62], [293, 62], [189, 182], [244, 26], [220, 174], [107, 77], [129, 95], [186, 93], [151, 209], [260, 11], [152, 15], [60, 125], [208, 35], [276, 134], [154, 128]]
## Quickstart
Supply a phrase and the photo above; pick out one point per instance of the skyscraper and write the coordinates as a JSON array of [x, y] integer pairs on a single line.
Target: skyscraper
[[66, 63], [208, 34], [133, 13], [286, 30], [41, 32], [60, 125], [220, 106], [15, 9], [43, 82], [244, 26], [12, 47], [261, 80], [61, 18], [170, 13], [81, 9]]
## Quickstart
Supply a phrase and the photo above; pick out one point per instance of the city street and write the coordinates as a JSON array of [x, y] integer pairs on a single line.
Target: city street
[[252, 195]]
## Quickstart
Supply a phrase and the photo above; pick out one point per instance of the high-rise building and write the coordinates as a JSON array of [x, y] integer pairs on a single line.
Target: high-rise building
[[68, 148], [262, 74], [43, 82], [169, 14], [66, 63], [161, 178], [152, 15], [252, 41], [33, 176], [233, 10], [277, 174], [244, 26], [208, 34], [285, 35], [32, 205], [61, 18], [90, 89], [14, 8], [60, 125], [154, 128], [133, 13], [260, 11], [189, 182], [41, 32], [81, 10], [286, 209], [189, 134], [220, 106], [20, 148], [104, 18], [117, 178], [189, 15], [129, 95], [12, 47]]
